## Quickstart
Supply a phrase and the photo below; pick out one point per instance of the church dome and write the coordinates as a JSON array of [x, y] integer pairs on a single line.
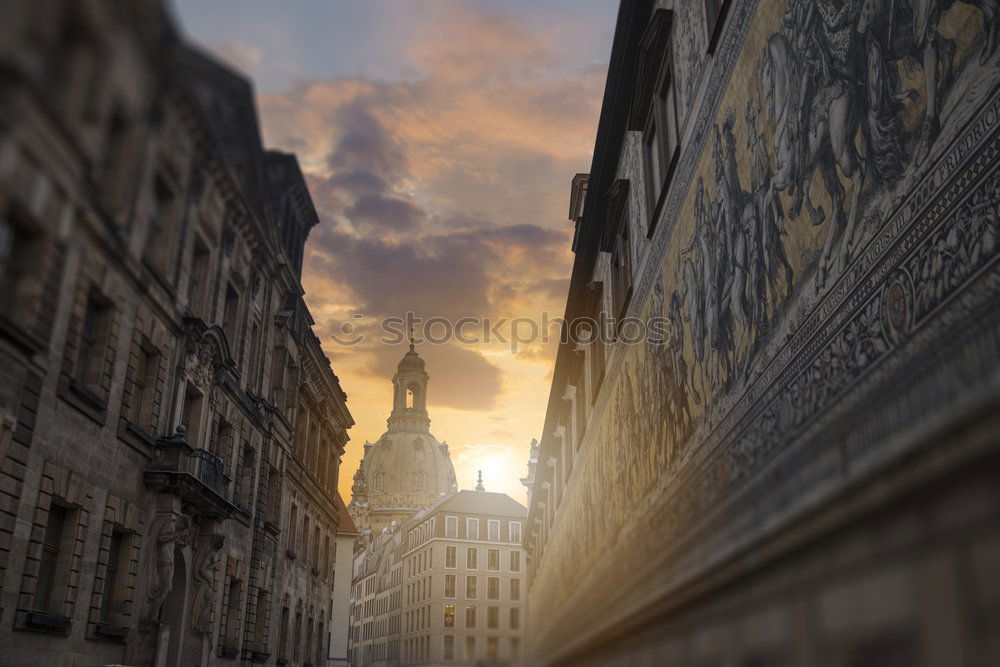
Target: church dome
[[407, 470], [411, 361]]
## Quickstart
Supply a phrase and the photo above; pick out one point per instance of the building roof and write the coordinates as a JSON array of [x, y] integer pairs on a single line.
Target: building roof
[[480, 502], [346, 525]]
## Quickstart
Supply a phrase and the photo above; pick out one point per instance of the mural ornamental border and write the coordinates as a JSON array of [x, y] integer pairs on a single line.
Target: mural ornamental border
[[903, 296]]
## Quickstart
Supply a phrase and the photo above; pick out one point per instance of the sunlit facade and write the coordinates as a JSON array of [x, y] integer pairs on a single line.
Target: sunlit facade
[[446, 587]]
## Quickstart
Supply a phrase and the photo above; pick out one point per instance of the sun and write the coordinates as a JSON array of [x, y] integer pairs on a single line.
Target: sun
[[501, 469]]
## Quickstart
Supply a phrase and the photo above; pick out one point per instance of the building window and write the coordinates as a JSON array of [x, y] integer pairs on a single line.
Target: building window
[[448, 647], [418, 481], [493, 617], [305, 540], [621, 271], [231, 315], [449, 616], [472, 558], [191, 415], [595, 349], [470, 618], [494, 530], [283, 635], [94, 337], [493, 559], [53, 563], [198, 280], [260, 620], [451, 527], [470, 648], [145, 372], [661, 142], [491, 649], [116, 572], [451, 556], [293, 523], [244, 481], [714, 18], [515, 561], [449, 585], [515, 589], [223, 442], [21, 255], [515, 618], [253, 366], [493, 588], [326, 557], [296, 635], [515, 649], [161, 224], [472, 529], [515, 526], [470, 588], [232, 613]]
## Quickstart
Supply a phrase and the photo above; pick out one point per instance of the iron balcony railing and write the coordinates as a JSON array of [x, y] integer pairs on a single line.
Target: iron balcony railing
[[198, 475]]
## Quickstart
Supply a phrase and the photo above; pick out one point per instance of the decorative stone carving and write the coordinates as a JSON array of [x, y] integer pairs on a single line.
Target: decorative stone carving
[[206, 564], [173, 530]]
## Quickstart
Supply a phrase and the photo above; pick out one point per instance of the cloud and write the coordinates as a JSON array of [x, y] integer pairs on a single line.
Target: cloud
[[376, 212], [445, 194]]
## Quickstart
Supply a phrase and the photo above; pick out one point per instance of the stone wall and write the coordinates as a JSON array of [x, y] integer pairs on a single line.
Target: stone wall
[[832, 350], [164, 403]]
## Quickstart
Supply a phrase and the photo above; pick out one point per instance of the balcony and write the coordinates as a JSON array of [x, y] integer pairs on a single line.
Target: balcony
[[196, 475]]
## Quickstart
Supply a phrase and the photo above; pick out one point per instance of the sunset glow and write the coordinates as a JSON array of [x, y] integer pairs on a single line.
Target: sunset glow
[[439, 140]]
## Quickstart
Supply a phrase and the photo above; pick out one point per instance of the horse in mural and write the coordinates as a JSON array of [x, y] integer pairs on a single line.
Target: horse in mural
[[829, 143]]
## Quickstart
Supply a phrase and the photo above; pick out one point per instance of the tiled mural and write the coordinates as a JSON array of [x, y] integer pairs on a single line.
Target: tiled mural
[[832, 218]]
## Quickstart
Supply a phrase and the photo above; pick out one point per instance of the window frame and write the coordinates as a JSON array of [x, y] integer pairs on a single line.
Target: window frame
[[489, 559], [469, 522], [714, 22], [664, 116], [493, 584], [510, 532]]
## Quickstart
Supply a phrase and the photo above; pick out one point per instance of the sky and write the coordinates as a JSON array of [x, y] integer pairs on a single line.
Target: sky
[[439, 139]]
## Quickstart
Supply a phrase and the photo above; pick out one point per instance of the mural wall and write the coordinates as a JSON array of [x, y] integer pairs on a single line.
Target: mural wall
[[831, 231]]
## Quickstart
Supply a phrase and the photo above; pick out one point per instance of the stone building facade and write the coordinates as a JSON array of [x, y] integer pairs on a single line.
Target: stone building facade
[[804, 196], [445, 587], [170, 429], [406, 469]]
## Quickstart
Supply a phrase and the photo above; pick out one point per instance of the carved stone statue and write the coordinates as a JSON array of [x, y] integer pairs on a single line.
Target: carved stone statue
[[173, 530], [206, 564]]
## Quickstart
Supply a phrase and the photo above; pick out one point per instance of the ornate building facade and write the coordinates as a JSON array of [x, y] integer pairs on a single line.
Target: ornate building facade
[[170, 429], [805, 195], [406, 469], [443, 587]]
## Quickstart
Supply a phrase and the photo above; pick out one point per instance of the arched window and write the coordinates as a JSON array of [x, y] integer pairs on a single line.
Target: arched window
[[418, 481], [378, 480], [410, 395]]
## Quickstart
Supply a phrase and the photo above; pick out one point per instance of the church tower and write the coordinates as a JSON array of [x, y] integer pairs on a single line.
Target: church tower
[[406, 469], [409, 395]]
